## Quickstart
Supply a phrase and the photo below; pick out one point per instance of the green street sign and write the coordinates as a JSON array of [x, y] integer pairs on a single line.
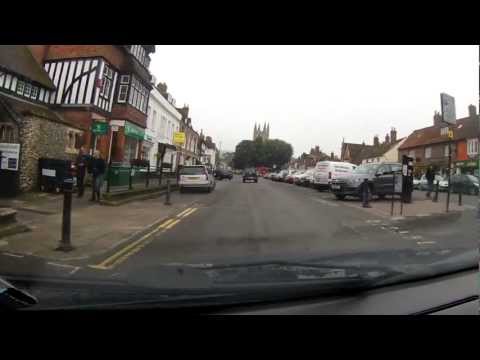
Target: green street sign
[[134, 131], [99, 128]]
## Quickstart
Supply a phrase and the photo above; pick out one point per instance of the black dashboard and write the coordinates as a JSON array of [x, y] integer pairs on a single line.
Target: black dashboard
[[454, 294]]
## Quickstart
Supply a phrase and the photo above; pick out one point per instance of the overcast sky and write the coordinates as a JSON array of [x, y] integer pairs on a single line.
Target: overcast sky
[[315, 95]]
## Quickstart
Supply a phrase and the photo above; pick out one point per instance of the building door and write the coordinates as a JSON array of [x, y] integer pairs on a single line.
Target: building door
[[9, 162]]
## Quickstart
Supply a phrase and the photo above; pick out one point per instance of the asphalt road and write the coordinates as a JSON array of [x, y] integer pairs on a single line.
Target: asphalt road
[[265, 221], [270, 221]]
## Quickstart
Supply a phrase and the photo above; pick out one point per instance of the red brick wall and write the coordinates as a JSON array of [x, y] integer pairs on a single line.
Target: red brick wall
[[127, 112], [38, 52], [112, 53]]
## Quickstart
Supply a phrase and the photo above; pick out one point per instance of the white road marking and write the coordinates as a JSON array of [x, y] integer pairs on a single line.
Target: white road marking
[[403, 232], [416, 237], [326, 202], [61, 265], [13, 255], [74, 270], [470, 207], [426, 242], [373, 221]]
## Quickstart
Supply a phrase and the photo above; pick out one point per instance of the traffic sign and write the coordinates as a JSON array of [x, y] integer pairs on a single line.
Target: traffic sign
[[179, 137], [99, 128]]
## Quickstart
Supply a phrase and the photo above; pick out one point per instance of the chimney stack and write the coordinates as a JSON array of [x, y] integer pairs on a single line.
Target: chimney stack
[[387, 139], [393, 135], [376, 141], [437, 119], [317, 149], [472, 111]]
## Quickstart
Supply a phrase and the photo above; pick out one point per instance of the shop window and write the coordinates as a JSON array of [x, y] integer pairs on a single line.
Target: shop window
[[74, 141], [7, 133]]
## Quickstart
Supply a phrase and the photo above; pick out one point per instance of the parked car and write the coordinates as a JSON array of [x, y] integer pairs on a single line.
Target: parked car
[[281, 175], [326, 171], [379, 176], [290, 177], [466, 184], [306, 179], [250, 175], [423, 183], [296, 176], [221, 174], [196, 177]]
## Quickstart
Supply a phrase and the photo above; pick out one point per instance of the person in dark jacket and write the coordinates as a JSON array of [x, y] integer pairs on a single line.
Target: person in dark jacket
[[81, 165], [98, 167], [430, 176]]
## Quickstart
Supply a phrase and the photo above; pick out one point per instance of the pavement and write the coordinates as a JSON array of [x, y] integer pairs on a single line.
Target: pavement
[[237, 222]]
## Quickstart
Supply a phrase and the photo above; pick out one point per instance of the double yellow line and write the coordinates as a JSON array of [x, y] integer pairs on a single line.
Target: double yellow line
[[123, 254]]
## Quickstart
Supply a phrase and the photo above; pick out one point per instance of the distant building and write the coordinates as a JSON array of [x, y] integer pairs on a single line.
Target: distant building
[[261, 133], [429, 145], [379, 151]]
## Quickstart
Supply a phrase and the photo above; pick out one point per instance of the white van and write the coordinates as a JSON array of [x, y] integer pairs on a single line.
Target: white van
[[326, 171]]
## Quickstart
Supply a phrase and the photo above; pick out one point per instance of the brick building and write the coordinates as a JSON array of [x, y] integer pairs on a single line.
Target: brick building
[[190, 151], [101, 87], [429, 146], [30, 128]]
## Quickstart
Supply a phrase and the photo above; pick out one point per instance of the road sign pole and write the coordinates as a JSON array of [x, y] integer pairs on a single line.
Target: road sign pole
[[449, 171]]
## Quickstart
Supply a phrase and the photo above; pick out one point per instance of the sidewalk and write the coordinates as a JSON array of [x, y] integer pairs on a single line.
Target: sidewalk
[[419, 207], [95, 228]]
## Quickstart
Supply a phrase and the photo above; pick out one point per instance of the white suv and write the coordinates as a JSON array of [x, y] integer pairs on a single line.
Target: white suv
[[196, 176]]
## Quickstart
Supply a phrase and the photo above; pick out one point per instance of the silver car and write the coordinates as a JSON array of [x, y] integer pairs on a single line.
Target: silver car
[[196, 177]]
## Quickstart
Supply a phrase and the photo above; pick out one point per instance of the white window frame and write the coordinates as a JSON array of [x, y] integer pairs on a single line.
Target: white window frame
[[472, 146], [444, 131], [445, 151], [428, 152], [34, 93], [28, 87], [121, 99], [124, 79], [20, 87]]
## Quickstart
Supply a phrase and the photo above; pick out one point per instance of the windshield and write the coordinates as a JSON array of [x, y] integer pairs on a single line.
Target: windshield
[[473, 179], [366, 169], [193, 170]]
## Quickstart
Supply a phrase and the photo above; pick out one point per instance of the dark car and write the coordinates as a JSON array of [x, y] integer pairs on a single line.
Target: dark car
[[250, 175], [221, 174], [379, 176], [466, 184]]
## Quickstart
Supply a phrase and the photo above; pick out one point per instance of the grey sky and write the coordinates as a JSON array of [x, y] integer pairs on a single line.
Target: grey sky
[[315, 95]]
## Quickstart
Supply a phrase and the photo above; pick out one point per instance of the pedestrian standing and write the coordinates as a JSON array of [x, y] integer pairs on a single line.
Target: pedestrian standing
[[98, 172], [430, 176], [81, 166]]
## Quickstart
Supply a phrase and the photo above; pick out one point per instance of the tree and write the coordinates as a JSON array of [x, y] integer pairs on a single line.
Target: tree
[[262, 153], [244, 155]]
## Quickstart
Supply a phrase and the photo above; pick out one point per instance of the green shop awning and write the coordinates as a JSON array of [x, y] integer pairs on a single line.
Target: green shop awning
[[134, 131]]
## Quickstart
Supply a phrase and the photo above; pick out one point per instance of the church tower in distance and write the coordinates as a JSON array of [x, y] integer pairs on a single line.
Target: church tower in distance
[[264, 133]]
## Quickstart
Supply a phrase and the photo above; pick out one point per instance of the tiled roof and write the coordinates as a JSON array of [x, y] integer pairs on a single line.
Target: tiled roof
[[464, 128], [19, 60]]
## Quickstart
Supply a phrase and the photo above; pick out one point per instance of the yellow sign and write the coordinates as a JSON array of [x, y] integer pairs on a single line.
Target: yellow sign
[[179, 137], [450, 134]]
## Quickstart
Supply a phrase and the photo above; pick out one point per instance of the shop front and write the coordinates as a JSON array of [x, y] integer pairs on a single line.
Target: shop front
[[126, 141], [467, 167]]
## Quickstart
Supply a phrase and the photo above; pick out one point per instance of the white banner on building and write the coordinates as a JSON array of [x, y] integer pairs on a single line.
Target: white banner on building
[[448, 108], [10, 156]]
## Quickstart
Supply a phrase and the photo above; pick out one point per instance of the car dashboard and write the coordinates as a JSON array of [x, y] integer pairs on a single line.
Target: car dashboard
[[453, 294]]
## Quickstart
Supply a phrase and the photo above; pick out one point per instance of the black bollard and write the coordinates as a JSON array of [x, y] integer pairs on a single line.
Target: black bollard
[[365, 194], [393, 196], [65, 243], [167, 197], [435, 196], [460, 191], [130, 179]]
